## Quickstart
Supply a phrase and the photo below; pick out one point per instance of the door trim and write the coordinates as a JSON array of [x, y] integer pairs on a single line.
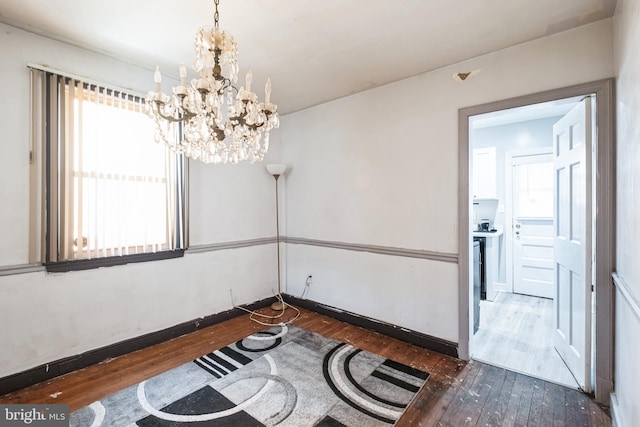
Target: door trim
[[508, 206], [604, 232]]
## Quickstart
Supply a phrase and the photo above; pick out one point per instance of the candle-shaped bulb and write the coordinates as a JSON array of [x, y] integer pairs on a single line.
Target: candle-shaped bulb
[[249, 80], [183, 75], [267, 92], [157, 77]]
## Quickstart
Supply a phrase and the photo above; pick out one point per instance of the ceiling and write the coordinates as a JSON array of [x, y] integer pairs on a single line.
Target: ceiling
[[313, 51], [543, 110]]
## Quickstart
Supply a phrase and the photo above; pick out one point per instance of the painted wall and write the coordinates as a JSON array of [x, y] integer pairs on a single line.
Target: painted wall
[[57, 315], [380, 168], [511, 137], [627, 343]]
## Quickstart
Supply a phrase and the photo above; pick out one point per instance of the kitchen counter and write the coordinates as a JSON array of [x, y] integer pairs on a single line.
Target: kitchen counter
[[496, 233]]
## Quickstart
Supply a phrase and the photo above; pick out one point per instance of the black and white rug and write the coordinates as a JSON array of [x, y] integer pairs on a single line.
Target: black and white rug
[[284, 376]]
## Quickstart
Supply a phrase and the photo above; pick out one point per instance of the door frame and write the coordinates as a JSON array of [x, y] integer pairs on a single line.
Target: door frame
[[508, 206], [603, 204]]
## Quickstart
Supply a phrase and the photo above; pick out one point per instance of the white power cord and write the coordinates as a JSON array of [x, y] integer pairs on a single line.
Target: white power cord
[[307, 283], [265, 316]]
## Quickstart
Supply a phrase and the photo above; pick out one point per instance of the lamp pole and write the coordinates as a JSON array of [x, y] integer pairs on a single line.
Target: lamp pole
[[278, 305], [277, 169]]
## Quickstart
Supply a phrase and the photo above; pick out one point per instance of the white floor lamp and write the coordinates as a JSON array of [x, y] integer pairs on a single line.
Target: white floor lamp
[[277, 169]]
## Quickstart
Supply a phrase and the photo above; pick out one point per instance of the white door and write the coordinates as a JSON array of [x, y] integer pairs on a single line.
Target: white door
[[532, 228], [572, 240]]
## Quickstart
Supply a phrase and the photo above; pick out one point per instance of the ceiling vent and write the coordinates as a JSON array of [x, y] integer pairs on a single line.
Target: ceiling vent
[[460, 77]]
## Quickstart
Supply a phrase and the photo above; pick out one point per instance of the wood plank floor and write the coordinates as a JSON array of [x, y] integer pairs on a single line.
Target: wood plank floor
[[516, 332], [456, 394]]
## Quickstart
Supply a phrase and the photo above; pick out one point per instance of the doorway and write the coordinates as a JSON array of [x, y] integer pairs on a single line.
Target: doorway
[[516, 315], [602, 225]]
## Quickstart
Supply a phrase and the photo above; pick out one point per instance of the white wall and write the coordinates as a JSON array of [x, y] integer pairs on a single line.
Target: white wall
[[232, 202], [380, 168], [627, 69], [46, 317], [366, 283]]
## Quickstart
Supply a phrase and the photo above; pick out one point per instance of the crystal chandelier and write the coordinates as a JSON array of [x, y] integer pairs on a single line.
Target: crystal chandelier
[[220, 123]]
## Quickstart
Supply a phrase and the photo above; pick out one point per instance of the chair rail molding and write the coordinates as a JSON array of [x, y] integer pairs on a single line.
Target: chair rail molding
[[627, 296]]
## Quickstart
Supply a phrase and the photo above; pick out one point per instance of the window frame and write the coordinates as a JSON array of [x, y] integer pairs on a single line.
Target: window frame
[[41, 245], [110, 261]]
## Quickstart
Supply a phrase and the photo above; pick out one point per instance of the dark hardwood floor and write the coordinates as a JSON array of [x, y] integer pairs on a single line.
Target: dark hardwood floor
[[457, 393]]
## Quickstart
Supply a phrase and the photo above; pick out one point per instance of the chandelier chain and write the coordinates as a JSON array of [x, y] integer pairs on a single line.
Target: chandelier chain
[[216, 16]]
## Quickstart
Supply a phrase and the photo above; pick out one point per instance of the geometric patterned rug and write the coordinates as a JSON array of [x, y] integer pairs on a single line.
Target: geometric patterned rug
[[284, 376]]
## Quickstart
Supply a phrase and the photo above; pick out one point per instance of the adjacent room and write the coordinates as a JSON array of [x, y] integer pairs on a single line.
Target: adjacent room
[[512, 222], [347, 212]]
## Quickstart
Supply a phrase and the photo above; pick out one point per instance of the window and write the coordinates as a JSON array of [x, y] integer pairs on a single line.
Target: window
[[535, 186], [110, 193]]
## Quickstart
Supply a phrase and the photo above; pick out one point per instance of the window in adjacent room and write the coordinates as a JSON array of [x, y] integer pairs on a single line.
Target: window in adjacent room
[[108, 192]]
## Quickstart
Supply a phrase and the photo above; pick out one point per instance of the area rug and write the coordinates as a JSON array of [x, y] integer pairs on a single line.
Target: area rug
[[284, 376]]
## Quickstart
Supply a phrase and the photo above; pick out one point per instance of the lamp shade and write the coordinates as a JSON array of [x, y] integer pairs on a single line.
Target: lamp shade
[[276, 168]]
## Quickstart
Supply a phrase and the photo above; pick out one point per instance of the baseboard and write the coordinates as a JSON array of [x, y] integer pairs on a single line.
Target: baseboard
[[64, 366], [616, 420], [501, 287], [413, 337]]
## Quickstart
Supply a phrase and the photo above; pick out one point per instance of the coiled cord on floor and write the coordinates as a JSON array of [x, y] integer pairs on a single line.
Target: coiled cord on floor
[[255, 314]]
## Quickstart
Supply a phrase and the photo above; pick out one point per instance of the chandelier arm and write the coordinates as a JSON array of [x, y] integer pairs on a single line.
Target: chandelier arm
[[219, 133], [240, 119], [185, 116], [229, 85]]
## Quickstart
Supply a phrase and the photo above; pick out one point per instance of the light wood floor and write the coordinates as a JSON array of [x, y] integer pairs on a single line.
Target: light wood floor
[[456, 394], [516, 332]]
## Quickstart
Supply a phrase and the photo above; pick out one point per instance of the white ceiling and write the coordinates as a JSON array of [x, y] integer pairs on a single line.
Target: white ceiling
[[314, 51], [543, 110]]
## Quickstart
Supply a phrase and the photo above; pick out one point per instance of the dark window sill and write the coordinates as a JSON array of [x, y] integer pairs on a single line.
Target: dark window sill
[[88, 264]]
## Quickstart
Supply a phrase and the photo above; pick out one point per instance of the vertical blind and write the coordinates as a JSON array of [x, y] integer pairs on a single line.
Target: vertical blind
[[109, 188]]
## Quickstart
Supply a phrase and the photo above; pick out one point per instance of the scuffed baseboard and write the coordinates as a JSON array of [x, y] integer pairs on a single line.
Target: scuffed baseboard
[[60, 367]]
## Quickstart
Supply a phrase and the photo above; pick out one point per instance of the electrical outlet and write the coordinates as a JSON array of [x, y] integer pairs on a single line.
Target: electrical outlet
[[309, 280]]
